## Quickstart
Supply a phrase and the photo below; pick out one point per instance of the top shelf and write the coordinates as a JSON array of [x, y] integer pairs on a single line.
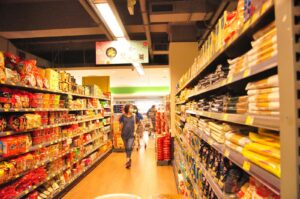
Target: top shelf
[[253, 24], [34, 88]]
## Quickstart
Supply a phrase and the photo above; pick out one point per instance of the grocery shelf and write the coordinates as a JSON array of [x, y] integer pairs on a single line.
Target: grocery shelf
[[249, 28], [7, 133], [39, 146], [45, 109], [262, 175], [259, 68], [181, 102], [217, 190], [27, 191], [267, 122], [35, 88], [54, 195]]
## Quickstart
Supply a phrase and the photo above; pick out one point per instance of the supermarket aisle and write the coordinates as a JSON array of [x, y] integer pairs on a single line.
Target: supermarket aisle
[[144, 178]]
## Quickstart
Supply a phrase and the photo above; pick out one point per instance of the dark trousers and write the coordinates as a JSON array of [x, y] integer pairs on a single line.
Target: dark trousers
[[128, 143]]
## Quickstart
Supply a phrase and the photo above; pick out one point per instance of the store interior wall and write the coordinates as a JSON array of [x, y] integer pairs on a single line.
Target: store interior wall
[[127, 82], [7, 46], [181, 57]]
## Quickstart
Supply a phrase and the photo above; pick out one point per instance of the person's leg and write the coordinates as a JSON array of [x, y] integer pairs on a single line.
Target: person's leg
[[129, 147]]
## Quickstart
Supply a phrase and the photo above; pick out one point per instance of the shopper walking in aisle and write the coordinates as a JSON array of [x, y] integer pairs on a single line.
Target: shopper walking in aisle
[[139, 126], [152, 115], [127, 125]]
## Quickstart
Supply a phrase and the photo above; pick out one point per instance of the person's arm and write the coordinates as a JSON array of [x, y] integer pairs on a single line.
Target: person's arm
[[121, 120]]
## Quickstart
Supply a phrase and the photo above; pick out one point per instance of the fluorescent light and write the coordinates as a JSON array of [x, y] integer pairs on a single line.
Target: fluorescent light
[[121, 39], [110, 19], [139, 68]]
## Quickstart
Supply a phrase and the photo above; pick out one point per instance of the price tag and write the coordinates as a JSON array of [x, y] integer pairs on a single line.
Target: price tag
[[26, 109], [246, 25], [17, 176], [6, 110], [26, 192], [226, 153], [40, 146], [225, 117], [229, 79], [265, 6], [246, 73], [224, 82], [16, 109], [249, 120], [13, 83], [246, 166], [254, 17], [8, 133], [209, 114]]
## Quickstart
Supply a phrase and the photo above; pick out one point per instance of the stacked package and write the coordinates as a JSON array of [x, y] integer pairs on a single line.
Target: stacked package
[[264, 96], [203, 125], [221, 131], [264, 150], [217, 103], [263, 48], [236, 105], [219, 75], [236, 141]]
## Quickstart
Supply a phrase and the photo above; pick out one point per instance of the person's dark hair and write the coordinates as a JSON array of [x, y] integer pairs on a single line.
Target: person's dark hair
[[126, 108], [153, 106], [135, 108]]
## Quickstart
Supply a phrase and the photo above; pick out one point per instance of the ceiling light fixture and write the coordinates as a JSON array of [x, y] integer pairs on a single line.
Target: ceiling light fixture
[[110, 19], [139, 68]]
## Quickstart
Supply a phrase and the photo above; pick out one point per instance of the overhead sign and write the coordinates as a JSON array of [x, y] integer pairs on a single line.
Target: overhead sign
[[122, 52]]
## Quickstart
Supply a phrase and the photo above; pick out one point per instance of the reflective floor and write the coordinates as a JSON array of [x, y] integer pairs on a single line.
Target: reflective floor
[[144, 178]]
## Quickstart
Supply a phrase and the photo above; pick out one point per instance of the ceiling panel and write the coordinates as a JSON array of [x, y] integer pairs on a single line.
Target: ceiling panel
[[37, 15]]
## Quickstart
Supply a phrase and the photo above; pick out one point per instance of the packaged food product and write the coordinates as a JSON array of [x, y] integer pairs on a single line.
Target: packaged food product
[[11, 60], [2, 62], [3, 123], [12, 76], [265, 140], [270, 164], [2, 76], [263, 150]]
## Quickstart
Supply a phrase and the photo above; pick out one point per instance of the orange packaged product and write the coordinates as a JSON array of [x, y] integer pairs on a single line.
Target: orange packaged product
[[8, 146]]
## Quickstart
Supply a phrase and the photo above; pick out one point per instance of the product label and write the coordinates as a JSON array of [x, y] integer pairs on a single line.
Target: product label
[[246, 166]]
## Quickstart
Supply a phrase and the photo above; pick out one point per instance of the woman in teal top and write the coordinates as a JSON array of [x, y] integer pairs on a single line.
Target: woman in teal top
[[127, 125]]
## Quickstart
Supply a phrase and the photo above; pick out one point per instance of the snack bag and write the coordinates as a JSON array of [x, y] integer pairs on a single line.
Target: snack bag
[[11, 60], [2, 63]]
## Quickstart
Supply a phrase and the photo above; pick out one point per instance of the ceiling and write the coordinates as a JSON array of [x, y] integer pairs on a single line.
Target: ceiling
[[64, 32], [125, 77]]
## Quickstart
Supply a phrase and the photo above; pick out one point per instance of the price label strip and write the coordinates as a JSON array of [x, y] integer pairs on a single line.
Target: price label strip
[[246, 73], [226, 153], [246, 165], [249, 120]]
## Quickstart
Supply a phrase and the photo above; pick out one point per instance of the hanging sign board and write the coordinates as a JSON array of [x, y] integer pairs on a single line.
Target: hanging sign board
[[122, 52]]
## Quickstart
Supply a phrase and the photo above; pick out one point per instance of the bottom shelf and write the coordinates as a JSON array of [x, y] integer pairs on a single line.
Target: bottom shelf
[[61, 190], [65, 188]]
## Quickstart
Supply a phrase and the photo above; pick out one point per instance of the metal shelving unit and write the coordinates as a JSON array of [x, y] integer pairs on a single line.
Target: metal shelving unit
[[287, 15], [79, 119]]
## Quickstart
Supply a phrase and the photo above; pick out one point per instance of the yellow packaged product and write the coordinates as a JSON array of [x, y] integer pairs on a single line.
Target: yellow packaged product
[[263, 150], [268, 133], [270, 164], [53, 78], [269, 82], [2, 63], [233, 146], [237, 139], [269, 141]]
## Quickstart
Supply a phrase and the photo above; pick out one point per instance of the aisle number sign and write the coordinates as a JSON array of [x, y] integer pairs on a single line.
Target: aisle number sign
[[122, 52]]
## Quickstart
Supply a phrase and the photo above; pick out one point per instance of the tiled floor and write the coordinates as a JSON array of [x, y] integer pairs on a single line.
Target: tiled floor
[[144, 178]]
